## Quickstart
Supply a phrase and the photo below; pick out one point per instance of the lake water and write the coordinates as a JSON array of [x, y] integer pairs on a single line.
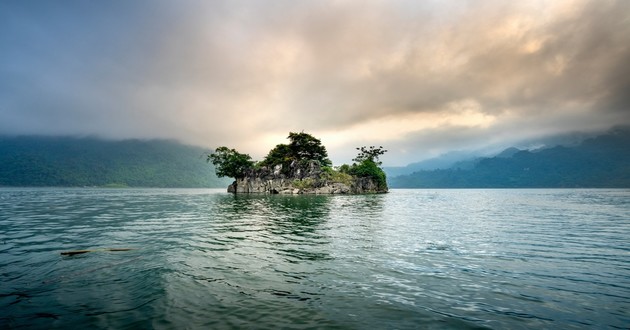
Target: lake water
[[429, 259]]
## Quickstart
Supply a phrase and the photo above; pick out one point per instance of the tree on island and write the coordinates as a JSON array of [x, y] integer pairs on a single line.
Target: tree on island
[[230, 163], [302, 148], [367, 165], [372, 153]]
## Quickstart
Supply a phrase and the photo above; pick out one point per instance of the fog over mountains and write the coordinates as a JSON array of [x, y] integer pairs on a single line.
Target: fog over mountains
[[78, 162], [576, 160], [467, 158], [600, 161]]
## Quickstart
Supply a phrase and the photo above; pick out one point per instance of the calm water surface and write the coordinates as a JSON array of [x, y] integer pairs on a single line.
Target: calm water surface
[[428, 259]]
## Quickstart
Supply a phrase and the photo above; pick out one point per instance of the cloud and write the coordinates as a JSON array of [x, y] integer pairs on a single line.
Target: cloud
[[417, 77]]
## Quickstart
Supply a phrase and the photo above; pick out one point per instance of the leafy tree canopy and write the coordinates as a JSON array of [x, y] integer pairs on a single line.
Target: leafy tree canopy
[[280, 154], [369, 169], [367, 165], [302, 147], [371, 153], [306, 147], [230, 163]]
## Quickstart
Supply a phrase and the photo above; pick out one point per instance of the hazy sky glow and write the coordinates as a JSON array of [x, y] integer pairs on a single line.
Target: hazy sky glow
[[418, 77]]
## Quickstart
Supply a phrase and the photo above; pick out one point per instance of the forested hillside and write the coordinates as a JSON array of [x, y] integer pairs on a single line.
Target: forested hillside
[[67, 161], [603, 161]]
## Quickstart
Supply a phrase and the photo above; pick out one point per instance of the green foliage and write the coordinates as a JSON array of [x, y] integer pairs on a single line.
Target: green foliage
[[367, 165], [329, 174], [345, 168], [369, 169], [280, 154], [303, 147], [77, 162], [230, 163], [304, 183], [371, 153]]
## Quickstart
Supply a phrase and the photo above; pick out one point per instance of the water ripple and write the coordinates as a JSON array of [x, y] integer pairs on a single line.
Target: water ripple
[[461, 259]]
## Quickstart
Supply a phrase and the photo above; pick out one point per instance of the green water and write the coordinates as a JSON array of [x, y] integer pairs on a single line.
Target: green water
[[429, 259]]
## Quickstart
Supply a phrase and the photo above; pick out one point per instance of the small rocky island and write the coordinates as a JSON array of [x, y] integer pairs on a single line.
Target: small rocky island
[[301, 167]]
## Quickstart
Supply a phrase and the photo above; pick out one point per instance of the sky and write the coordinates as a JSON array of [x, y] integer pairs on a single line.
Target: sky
[[419, 78]]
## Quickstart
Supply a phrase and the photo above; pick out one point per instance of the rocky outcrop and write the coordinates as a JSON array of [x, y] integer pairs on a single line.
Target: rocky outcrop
[[305, 178]]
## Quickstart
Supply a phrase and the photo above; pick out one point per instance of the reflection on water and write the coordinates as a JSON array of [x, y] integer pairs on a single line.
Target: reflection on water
[[457, 259]]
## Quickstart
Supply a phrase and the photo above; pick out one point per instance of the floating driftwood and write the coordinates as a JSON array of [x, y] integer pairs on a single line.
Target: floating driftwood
[[71, 253]]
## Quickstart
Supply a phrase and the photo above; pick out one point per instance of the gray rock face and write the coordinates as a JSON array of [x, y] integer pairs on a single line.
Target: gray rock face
[[298, 179]]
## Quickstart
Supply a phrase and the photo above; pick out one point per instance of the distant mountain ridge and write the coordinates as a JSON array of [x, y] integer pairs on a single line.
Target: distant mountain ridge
[[467, 159], [508, 153], [444, 161], [602, 161], [70, 161]]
